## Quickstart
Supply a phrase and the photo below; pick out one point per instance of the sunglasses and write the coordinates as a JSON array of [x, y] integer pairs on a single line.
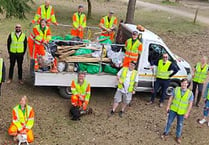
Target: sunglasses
[[17, 27], [165, 57]]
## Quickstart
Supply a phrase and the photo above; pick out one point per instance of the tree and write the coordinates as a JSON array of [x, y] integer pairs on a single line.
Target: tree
[[89, 9], [130, 11], [16, 8]]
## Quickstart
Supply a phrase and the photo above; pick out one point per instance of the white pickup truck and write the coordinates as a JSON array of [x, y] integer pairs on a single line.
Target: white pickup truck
[[153, 48]]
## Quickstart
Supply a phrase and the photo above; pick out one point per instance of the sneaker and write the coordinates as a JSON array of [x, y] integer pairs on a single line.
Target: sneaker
[[164, 136], [197, 105], [161, 105], [9, 81], [150, 103], [112, 112], [121, 114], [202, 121], [21, 82], [178, 140]]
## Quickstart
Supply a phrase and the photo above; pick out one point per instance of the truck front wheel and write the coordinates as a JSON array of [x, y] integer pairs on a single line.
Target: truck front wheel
[[65, 92], [171, 87]]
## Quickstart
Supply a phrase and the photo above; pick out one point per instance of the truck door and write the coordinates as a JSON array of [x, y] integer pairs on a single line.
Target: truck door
[[152, 51]]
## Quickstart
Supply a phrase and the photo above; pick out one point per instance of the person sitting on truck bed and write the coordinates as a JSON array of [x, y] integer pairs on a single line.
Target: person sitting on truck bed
[[165, 70], [133, 49], [108, 24], [128, 79], [81, 92]]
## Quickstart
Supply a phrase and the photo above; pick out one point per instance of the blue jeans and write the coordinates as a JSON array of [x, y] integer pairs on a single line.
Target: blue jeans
[[206, 109], [164, 85], [171, 117]]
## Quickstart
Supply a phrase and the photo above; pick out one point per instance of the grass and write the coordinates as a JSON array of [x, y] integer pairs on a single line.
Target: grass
[[162, 22], [157, 21]]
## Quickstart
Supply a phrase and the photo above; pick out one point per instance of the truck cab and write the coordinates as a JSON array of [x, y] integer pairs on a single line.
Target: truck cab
[[153, 48]]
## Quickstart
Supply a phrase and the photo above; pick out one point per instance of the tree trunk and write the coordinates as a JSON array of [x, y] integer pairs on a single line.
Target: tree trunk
[[89, 9], [130, 11]]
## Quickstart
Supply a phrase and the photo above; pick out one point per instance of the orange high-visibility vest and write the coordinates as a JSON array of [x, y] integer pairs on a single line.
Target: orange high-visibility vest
[[40, 35], [78, 90], [43, 13], [23, 120], [133, 50]]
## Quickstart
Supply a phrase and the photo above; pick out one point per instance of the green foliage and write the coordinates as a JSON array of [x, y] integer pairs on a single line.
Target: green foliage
[[15, 8]]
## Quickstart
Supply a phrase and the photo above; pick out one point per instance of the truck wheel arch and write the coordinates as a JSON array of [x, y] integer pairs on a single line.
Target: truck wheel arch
[[172, 85], [65, 92]]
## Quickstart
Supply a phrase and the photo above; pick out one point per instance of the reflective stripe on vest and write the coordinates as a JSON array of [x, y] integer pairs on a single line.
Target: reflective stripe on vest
[[21, 118], [79, 20], [132, 49], [200, 74], [162, 70], [46, 14], [81, 89], [17, 44], [109, 24], [180, 103], [132, 79], [1, 68], [42, 35]]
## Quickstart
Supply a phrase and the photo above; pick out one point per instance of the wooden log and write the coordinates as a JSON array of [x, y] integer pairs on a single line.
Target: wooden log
[[84, 59], [67, 54], [70, 47]]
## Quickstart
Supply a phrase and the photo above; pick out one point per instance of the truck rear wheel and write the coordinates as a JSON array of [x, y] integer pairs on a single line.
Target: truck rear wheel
[[171, 87], [65, 92]]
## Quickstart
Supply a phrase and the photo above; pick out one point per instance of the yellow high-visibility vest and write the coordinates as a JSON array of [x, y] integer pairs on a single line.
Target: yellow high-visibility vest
[[17, 44], [180, 103], [162, 70], [200, 74], [132, 79]]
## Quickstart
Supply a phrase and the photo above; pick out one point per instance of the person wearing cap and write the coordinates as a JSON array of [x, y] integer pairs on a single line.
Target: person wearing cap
[[133, 49], [127, 81], [81, 92], [16, 46], [165, 70], [79, 23], [108, 24], [201, 73], [2, 72], [46, 12], [179, 106], [22, 120]]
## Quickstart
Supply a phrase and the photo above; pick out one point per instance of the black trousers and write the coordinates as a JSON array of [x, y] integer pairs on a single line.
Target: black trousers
[[13, 58], [200, 88]]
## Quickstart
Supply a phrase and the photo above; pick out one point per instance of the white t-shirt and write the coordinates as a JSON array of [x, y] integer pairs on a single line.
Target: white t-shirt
[[127, 80]]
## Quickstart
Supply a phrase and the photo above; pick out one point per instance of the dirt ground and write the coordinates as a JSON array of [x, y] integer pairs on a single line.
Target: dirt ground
[[140, 125]]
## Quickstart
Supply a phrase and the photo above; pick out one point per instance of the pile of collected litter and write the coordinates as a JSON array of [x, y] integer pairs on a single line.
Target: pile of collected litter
[[93, 57]]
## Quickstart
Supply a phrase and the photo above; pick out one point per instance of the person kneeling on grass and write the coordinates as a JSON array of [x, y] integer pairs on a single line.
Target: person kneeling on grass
[[22, 121], [128, 79], [206, 108], [80, 96]]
